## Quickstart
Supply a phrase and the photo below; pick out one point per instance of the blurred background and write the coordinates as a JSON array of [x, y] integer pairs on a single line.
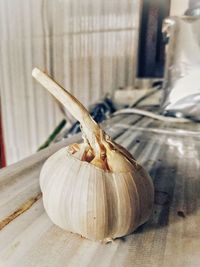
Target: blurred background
[[100, 50]]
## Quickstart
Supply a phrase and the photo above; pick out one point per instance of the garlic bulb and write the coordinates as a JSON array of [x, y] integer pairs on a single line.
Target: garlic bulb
[[96, 188]]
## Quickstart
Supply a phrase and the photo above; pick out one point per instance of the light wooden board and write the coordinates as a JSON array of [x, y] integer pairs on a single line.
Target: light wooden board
[[170, 152]]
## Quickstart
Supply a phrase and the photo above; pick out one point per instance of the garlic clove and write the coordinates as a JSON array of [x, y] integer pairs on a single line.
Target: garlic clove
[[89, 156], [100, 163], [73, 148], [117, 162]]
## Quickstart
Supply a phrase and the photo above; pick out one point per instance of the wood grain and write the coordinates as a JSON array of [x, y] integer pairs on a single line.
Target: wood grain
[[166, 240]]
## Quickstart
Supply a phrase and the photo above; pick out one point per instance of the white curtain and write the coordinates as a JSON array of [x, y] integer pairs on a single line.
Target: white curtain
[[87, 46]]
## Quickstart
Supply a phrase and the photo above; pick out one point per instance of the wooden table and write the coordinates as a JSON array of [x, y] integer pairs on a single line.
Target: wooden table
[[170, 152]]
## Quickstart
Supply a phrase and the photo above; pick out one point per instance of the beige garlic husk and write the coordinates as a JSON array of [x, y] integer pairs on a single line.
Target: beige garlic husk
[[96, 188]]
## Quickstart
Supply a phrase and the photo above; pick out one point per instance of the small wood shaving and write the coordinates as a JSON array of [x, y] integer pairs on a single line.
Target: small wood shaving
[[24, 207]]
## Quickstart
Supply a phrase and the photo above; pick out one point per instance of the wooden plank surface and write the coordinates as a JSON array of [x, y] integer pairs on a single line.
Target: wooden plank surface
[[171, 237]]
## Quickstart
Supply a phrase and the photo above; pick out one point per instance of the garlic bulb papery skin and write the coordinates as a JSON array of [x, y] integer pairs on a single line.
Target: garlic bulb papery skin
[[95, 189], [84, 199]]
